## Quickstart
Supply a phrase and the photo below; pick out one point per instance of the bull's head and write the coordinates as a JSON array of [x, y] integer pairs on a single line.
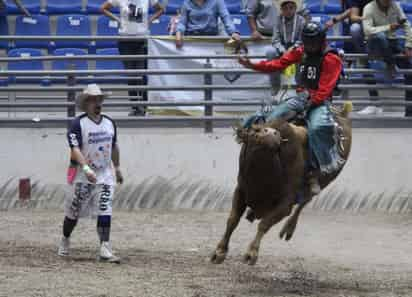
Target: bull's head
[[261, 135]]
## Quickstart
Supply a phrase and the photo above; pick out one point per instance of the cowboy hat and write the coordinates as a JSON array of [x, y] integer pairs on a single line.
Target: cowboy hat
[[281, 2], [91, 90]]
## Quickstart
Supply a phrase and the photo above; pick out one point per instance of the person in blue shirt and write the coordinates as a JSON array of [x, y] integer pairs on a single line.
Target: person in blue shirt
[[200, 17]]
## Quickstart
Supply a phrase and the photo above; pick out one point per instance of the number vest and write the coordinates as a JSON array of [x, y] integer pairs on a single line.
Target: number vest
[[310, 68]]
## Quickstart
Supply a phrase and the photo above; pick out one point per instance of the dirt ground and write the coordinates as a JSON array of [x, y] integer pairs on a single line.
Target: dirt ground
[[165, 253]]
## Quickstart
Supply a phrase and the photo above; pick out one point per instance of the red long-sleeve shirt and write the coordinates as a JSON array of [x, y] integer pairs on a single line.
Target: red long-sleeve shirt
[[331, 70]]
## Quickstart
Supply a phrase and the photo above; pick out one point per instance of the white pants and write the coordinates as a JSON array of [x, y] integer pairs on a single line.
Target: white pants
[[90, 200]]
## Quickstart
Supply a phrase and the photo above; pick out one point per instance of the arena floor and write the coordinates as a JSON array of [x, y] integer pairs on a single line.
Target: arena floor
[[165, 253]]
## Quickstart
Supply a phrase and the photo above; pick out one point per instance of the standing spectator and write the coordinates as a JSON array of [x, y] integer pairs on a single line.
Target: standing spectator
[[93, 141], [262, 16], [358, 41], [286, 34], [3, 8], [134, 21], [200, 17], [381, 19]]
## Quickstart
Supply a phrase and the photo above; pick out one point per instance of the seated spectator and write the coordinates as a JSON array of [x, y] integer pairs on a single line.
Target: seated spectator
[[174, 20], [200, 17], [381, 19], [262, 16], [3, 8], [134, 21], [286, 34]]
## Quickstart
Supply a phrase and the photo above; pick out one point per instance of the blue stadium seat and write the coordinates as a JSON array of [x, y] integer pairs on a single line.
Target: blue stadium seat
[[241, 24], [321, 18], [26, 65], [333, 6], [106, 27], [314, 6], [407, 7], [76, 25], [36, 25], [33, 6], [234, 6], [63, 6], [160, 26], [66, 64], [70, 64], [4, 31], [109, 65], [173, 6], [93, 7]]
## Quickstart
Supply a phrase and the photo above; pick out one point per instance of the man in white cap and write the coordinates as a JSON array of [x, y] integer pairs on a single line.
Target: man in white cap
[[92, 138]]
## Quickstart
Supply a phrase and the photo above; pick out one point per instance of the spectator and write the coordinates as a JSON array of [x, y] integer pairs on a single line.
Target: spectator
[[358, 41], [262, 16], [286, 34], [174, 20], [200, 17], [134, 21], [3, 8], [92, 138], [381, 19]]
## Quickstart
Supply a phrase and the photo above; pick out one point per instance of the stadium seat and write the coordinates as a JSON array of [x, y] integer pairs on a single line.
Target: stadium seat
[[33, 6], [407, 6], [106, 27], [4, 31], [63, 6], [314, 6], [26, 65], [173, 6], [241, 24], [160, 26], [333, 7], [109, 65], [36, 25], [93, 7], [73, 25], [69, 64], [233, 6]]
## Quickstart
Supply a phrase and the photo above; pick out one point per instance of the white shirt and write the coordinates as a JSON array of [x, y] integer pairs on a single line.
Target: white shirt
[[95, 141], [134, 18]]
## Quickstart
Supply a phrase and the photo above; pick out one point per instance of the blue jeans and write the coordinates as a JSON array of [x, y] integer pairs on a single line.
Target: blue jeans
[[323, 152], [358, 41], [274, 77], [379, 45]]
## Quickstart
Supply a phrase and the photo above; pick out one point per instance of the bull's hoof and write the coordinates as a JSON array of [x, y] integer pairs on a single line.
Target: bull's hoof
[[250, 258], [217, 257], [287, 231]]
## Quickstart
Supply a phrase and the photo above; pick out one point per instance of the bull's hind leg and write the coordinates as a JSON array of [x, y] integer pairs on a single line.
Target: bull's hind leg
[[268, 220], [289, 227], [238, 208]]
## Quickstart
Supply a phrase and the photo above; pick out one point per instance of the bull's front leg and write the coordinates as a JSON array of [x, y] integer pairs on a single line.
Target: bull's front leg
[[268, 220], [238, 208], [289, 227]]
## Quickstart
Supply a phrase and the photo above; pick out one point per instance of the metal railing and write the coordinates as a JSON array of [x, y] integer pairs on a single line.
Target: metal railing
[[71, 77]]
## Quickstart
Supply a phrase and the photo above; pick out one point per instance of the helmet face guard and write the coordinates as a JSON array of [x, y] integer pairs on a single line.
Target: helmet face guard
[[313, 37]]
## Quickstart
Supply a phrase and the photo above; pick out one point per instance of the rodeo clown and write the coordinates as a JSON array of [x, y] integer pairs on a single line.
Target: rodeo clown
[[318, 74], [92, 138]]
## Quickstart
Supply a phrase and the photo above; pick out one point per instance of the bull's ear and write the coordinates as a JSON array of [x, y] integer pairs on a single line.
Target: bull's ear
[[240, 133]]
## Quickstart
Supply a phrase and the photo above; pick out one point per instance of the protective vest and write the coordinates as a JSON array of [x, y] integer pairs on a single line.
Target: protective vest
[[310, 68]]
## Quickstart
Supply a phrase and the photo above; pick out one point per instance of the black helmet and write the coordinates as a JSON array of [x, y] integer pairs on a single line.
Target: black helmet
[[313, 35]]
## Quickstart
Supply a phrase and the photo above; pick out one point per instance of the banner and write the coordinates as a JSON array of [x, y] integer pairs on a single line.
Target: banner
[[207, 48]]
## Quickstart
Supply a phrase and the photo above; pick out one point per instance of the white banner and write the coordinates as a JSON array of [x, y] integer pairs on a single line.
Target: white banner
[[167, 47], [213, 47]]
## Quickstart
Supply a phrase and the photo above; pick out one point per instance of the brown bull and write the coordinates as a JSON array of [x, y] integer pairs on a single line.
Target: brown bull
[[271, 171]]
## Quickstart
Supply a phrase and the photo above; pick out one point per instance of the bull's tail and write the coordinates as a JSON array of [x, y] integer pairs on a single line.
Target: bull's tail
[[346, 109]]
